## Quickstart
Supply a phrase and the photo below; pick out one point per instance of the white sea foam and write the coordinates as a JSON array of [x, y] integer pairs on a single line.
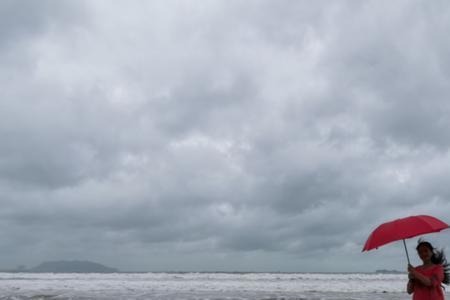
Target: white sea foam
[[202, 286]]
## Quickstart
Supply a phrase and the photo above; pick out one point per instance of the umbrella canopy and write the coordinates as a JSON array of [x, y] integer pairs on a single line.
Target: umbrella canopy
[[401, 229]]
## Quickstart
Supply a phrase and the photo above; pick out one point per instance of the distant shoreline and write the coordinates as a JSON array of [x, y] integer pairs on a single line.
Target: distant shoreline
[[86, 267], [389, 272]]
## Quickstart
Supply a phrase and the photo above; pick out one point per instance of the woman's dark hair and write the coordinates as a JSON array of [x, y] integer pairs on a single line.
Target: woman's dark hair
[[437, 258]]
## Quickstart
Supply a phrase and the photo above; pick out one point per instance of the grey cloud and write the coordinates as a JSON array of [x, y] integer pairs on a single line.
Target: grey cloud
[[410, 109], [20, 19], [167, 137]]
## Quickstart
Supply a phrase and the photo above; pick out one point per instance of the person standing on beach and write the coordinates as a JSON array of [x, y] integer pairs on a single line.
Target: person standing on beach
[[425, 280]]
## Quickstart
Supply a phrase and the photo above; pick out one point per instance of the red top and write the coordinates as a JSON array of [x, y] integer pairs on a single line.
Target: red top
[[433, 292]]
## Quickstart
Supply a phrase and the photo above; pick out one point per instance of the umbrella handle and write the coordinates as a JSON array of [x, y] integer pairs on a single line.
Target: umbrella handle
[[406, 249]]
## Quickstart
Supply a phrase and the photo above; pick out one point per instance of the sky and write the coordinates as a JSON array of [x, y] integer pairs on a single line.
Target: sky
[[221, 135]]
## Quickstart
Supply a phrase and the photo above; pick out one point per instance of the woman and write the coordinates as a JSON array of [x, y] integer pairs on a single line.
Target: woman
[[425, 280]]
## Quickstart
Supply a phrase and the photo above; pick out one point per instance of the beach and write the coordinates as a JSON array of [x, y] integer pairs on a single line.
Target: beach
[[203, 286]]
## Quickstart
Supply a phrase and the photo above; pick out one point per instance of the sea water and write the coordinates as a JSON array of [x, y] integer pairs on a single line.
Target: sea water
[[203, 286]]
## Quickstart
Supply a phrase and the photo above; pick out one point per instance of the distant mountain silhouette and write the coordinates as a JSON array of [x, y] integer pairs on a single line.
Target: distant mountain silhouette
[[74, 266]]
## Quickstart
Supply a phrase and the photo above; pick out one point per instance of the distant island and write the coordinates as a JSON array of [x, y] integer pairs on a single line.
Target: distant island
[[383, 271], [68, 266]]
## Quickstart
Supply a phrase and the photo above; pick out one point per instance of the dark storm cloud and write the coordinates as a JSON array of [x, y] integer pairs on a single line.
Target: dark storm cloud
[[223, 135], [22, 20], [396, 75]]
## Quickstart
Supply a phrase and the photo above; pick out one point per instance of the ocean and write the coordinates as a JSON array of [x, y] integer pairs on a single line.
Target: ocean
[[203, 286]]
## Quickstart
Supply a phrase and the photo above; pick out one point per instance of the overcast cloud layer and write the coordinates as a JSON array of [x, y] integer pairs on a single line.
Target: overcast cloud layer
[[221, 135]]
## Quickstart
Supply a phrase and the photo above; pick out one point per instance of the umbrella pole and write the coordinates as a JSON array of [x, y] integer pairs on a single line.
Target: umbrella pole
[[406, 249]]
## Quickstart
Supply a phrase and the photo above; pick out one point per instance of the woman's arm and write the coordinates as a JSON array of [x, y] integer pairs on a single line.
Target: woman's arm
[[426, 281], [410, 287], [436, 279]]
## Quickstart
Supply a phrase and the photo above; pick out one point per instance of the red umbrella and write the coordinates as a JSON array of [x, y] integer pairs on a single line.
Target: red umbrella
[[402, 229]]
